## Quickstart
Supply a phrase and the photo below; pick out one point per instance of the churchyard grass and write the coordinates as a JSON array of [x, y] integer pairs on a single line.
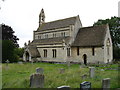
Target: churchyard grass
[[17, 75]]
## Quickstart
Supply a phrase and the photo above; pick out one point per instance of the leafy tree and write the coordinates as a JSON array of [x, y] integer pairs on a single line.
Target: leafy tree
[[114, 26], [19, 52], [8, 51], [8, 34], [9, 43]]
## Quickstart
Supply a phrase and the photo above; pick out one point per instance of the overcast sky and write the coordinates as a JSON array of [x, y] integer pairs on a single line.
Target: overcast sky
[[23, 15]]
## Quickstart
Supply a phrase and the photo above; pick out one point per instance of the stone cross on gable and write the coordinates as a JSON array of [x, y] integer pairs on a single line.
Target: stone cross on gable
[[7, 63]]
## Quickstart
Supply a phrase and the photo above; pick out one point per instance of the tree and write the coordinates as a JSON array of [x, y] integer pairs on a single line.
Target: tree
[[9, 43], [114, 26], [8, 34], [19, 52]]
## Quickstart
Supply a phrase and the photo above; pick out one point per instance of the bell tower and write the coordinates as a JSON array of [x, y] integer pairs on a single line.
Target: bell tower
[[41, 17]]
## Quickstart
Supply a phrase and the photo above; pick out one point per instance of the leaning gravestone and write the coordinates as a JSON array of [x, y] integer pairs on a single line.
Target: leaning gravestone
[[63, 88], [85, 85], [39, 70], [106, 83], [92, 72], [37, 80]]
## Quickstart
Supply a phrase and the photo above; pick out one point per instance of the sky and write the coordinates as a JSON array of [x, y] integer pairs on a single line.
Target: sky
[[23, 15]]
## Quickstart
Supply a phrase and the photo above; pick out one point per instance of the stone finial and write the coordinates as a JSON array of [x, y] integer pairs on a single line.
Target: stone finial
[[29, 42], [25, 44]]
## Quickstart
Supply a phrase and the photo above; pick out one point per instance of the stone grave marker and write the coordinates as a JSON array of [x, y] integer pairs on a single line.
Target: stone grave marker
[[102, 70], [62, 70], [37, 80], [106, 83], [63, 88], [82, 65], [39, 70], [20, 62], [68, 63], [92, 72], [84, 76], [7, 62], [85, 85]]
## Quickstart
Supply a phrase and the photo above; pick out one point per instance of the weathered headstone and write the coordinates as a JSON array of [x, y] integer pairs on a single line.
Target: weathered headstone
[[7, 62], [68, 63], [92, 71], [62, 70], [32, 62], [37, 80], [39, 70], [85, 85], [82, 65], [106, 83], [63, 88], [102, 70], [20, 62], [84, 76]]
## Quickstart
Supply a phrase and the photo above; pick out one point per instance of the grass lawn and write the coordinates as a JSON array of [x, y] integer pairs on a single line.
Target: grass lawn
[[17, 75]]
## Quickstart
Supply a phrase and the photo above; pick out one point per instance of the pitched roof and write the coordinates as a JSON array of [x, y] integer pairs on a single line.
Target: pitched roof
[[49, 41], [33, 51], [58, 23], [90, 36]]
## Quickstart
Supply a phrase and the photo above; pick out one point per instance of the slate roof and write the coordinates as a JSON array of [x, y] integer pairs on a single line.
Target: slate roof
[[90, 36], [58, 23], [33, 51], [48, 41]]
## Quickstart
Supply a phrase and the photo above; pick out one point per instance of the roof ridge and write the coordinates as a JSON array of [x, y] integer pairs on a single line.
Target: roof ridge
[[61, 19]]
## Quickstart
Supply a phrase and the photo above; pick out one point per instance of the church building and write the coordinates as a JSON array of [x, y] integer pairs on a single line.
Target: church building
[[65, 40]]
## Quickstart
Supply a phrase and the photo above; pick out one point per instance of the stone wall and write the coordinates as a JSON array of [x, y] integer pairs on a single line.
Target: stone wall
[[99, 55], [106, 56], [61, 54]]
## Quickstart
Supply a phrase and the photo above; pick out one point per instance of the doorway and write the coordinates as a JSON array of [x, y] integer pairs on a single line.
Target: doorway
[[27, 56], [85, 59]]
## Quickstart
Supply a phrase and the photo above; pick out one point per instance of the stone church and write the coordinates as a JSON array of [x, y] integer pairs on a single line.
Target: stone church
[[66, 40]]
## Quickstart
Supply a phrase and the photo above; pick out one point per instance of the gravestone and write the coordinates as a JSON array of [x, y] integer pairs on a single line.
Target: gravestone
[[63, 88], [102, 70], [7, 62], [92, 71], [84, 76], [32, 62], [62, 70], [20, 62], [82, 65], [37, 80], [85, 85], [39, 70], [106, 83], [68, 63]]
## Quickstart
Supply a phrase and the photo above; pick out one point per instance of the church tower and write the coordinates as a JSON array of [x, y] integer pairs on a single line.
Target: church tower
[[41, 17]]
